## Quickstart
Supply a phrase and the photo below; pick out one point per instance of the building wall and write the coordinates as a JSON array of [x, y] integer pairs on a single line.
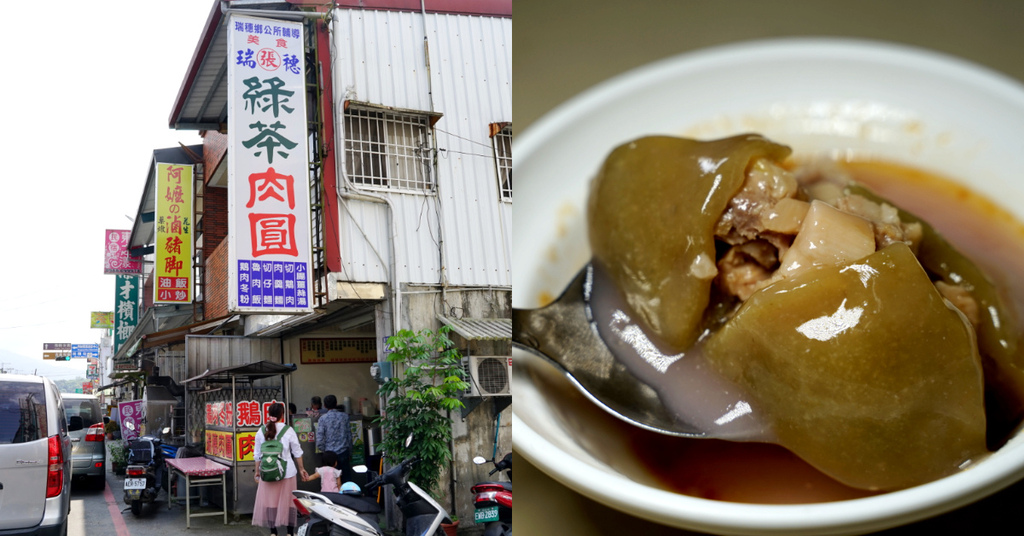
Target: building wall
[[215, 228], [474, 434], [216, 274], [379, 57]]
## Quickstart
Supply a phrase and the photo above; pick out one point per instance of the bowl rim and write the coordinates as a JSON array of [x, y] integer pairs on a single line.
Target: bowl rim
[[838, 517]]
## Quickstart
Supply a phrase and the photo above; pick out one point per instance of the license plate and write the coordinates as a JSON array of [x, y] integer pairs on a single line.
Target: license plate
[[486, 515], [135, 483]]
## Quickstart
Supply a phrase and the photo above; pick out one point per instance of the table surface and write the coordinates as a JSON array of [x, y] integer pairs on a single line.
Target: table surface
[[564, 47], [198, 466]]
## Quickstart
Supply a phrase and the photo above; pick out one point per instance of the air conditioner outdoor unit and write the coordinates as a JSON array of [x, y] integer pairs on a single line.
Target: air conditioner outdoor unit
[[489, 375]]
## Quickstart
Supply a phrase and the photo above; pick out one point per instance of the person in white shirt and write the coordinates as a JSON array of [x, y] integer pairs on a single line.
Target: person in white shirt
[[274, 507]]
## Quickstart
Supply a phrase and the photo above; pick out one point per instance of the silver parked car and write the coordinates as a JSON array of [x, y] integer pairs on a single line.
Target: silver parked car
[[85, 426], [35, 457]]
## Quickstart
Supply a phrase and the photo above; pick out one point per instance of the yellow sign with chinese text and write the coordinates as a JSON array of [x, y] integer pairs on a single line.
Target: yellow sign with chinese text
[[173, 247], [220, 444], [245, 443]]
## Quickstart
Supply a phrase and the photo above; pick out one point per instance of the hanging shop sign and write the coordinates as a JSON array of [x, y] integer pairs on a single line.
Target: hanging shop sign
[[133, 412], [101, 319], [173, 247], [268, 186], [126, 308], [116, 257]]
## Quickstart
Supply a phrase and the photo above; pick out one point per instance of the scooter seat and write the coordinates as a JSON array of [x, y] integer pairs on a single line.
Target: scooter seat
[[358, 503], [507, 486]]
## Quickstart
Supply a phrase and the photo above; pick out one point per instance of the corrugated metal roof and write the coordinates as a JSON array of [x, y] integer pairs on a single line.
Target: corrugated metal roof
[[480, 329]]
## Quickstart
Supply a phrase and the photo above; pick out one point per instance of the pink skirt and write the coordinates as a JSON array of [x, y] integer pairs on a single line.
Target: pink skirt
[[274, 506]]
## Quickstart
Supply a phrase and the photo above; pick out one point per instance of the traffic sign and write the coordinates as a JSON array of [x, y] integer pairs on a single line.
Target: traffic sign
[[85, 350], [59, 355]]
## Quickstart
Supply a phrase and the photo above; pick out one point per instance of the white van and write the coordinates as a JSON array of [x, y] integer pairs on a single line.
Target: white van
[[35, 457]]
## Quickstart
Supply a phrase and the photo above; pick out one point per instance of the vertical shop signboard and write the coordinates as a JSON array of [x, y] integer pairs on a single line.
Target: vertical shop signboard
[[116, 257], [126, 308], [268, 185], [173, 247], [133, 412]]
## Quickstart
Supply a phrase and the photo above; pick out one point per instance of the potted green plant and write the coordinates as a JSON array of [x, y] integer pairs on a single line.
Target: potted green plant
[[420, 396], [451, 529], [118, 456]]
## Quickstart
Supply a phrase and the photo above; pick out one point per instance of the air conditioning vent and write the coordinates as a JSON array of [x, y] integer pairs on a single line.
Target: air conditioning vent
[[489, 375]]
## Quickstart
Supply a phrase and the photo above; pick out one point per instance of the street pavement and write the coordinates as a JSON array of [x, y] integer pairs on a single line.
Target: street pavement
[[103, 512]]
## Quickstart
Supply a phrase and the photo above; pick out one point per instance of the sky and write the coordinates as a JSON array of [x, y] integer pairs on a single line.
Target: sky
[[87, 92]]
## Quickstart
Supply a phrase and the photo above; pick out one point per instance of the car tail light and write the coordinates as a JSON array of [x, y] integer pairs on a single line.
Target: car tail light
[[95, 433], [55, 472], [135, 470], [300, 507]]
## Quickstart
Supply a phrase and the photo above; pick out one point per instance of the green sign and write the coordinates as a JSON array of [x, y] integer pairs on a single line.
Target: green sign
[[126, 308]]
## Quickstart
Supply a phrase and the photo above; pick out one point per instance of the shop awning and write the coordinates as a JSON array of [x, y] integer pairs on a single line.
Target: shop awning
[[177, 335], [117, 384], [480, 329], [255, 370]]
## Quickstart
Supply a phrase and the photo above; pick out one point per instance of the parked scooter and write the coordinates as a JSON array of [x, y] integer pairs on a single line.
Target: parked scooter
[[493, 500], [144, 474], [351, 514]]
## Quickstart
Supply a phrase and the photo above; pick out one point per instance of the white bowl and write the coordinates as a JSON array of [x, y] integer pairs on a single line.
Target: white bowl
[[891, 102]]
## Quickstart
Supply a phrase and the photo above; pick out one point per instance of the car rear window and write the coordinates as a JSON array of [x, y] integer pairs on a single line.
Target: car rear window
[[22, 412], [81, 413]]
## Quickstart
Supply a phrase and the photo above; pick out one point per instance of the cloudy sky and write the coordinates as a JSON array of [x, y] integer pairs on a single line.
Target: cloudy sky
[[88, 88]]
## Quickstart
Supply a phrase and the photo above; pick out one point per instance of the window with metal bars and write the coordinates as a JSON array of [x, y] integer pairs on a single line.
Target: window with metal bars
[[387, 150], [502, 143]]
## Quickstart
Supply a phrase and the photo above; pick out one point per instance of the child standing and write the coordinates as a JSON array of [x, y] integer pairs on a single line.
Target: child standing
[[328, 473]]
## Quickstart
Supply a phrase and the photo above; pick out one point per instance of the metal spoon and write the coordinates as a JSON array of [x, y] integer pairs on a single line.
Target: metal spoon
[[564, 334]]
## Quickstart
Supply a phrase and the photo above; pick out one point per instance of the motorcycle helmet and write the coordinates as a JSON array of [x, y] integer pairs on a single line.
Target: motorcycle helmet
[[351, 488]]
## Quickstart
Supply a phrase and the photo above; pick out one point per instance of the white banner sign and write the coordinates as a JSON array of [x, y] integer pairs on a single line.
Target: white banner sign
[[268, 185]]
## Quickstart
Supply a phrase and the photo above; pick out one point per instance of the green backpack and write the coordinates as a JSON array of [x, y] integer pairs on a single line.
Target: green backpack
[[273, 465]]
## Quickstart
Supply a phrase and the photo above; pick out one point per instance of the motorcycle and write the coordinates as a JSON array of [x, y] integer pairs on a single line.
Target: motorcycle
[[351, 513], [144, 473], [493, 500]]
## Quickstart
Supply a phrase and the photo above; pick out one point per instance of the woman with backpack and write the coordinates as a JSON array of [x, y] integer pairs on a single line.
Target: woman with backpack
[[276, 446]]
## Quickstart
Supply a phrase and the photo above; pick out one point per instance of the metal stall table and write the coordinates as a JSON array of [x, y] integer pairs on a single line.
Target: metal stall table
[[199, 472], [231, 404]]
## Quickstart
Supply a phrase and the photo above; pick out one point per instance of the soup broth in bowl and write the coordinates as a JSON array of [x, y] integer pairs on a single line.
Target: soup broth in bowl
[[883, 110]]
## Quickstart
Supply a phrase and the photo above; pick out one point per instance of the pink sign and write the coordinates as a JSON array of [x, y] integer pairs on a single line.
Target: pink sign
[[130, 412], [116, 258]]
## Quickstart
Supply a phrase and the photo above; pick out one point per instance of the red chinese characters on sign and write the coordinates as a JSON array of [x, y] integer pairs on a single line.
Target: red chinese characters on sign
[[271, 184], [249, 413], [244, 414], [272, 233], [246, 446], [220, 444], [266, 407], [219, 414]]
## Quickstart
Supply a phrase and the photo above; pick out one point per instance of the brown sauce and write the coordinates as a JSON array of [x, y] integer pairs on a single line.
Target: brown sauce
[[769, 474]]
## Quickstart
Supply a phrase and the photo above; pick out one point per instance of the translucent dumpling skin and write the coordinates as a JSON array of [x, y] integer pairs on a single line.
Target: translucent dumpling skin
[[872, 348], [651, 212], [863, 369]]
